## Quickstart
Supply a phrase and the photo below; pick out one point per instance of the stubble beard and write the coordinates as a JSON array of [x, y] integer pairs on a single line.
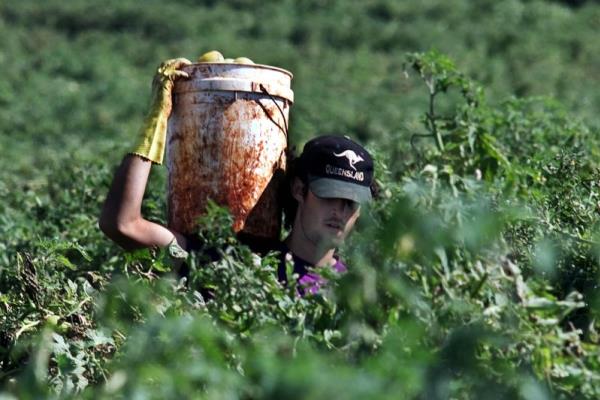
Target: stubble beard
[[322, 241]]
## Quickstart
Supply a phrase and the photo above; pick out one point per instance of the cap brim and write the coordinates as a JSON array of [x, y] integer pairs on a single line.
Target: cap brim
[[335, 188]]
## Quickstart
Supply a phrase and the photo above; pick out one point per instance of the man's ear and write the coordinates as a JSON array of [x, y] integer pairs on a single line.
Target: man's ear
[[298, 190]]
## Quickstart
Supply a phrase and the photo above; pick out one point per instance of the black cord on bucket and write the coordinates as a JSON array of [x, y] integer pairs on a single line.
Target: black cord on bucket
[[264, 90]]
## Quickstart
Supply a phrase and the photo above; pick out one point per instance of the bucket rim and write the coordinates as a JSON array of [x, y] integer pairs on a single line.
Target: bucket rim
[[263, 66]]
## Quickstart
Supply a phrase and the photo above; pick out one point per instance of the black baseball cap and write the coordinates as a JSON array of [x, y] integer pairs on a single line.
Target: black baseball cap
[[338, 167]]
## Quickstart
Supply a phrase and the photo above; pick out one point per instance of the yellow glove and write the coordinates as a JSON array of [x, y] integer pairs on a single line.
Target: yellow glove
[[153, 134]]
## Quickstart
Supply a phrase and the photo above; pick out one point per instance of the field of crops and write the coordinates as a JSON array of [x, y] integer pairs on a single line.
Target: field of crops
[[475, 275]]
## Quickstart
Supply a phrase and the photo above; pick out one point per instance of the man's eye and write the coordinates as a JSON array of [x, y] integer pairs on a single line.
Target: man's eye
[[351, 204]]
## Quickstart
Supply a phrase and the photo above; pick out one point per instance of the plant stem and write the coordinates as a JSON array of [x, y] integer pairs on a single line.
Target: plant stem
[[25, 328], [431, 117]]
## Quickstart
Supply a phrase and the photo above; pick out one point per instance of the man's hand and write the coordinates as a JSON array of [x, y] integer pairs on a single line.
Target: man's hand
[[152, 136]]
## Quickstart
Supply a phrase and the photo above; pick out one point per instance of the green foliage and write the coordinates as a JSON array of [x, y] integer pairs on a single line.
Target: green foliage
[[475, 275], [241, 289], [95, 62]]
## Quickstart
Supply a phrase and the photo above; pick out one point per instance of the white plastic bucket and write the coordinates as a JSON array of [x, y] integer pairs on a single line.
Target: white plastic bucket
[[226, 140]]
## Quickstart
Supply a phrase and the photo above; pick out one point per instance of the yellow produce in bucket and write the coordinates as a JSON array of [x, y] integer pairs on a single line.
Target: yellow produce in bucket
[[211, 56]]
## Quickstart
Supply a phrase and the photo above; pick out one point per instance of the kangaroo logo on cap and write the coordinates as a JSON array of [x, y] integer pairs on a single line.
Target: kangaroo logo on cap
[[352, 157]]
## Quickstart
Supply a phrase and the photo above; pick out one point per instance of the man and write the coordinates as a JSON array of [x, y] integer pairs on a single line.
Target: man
[[330, 180]]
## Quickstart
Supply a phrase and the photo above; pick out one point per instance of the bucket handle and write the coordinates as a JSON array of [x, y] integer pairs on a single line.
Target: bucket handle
[[264, 90]]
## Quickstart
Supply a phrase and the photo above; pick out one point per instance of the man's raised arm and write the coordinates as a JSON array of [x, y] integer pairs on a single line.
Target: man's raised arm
[[121, 218]]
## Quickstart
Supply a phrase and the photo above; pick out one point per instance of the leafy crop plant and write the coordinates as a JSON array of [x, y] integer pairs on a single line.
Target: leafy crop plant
[[478, 278]]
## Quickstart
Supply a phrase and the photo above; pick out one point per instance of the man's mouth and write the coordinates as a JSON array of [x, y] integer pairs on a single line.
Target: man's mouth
[[334, 224]]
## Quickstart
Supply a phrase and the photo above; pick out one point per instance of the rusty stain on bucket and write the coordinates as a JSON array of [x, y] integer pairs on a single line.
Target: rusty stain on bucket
[[229, 146]]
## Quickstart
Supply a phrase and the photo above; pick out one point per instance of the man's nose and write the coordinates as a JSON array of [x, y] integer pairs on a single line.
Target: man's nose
[[339, 207]]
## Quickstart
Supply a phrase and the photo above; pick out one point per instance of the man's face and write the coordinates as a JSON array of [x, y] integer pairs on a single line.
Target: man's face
[[326, 221]]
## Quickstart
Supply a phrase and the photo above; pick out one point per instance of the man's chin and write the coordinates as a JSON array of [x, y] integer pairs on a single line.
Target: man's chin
[[334, 240]]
